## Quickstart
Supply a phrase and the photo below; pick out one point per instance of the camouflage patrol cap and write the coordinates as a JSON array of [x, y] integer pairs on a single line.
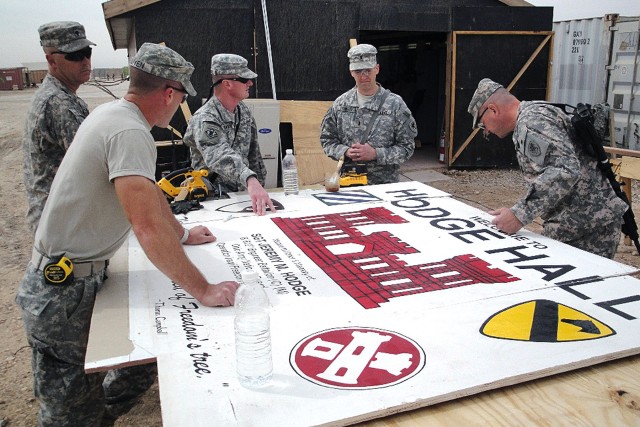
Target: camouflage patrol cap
[[159, 60], [362, 56], [66, 36], [228, 64], [486, 88]]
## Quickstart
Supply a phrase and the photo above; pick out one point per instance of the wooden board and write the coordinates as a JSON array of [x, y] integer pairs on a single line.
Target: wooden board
[[105, 348], [453, 368], [305, 255], [630, 167], [306, 118], [115, 8]]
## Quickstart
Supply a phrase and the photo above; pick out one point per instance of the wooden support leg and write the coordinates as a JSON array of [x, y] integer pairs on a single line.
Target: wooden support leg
[[627, 191]]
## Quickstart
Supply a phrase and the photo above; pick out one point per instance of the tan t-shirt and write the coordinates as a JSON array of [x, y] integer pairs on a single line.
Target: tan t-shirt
[[83, 217]]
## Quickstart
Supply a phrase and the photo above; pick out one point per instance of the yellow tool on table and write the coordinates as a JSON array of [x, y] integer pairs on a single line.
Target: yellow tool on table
[[185, 184], [354, 176]]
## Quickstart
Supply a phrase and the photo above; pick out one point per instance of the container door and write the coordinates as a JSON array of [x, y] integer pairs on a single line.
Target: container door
[[518, 60], [580, 58], [624, 84]]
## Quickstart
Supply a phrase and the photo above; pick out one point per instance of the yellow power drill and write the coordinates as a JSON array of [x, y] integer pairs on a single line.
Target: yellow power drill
[[185, 184], [354, 175]]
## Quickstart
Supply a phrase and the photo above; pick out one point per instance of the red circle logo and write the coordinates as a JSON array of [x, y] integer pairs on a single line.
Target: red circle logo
[[357, 358]]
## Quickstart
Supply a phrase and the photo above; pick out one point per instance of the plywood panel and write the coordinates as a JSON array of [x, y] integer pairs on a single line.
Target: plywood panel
[[305, 118], [630, 167], [466, 309], [118, 7]]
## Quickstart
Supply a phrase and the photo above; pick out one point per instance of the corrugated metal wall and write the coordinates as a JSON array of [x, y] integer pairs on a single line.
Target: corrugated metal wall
[[580, 57], [35, 77], [11, 78], [624, 83], [597, 61]]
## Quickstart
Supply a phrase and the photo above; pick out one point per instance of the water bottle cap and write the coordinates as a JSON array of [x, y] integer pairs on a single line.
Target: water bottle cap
[[289, 151], [249, 276]]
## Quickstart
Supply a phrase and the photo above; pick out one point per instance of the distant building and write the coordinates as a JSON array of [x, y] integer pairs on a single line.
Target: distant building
[[12, 78], [108, 73], [34, 72], [36, 66], [432, 53]]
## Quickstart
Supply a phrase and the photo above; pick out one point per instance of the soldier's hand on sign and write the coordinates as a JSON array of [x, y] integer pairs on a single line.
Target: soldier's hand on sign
[[199, 235], [221, 294], [505, 220], [260, 199]]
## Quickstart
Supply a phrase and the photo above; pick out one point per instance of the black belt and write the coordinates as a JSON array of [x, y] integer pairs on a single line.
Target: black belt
[[80, 269]]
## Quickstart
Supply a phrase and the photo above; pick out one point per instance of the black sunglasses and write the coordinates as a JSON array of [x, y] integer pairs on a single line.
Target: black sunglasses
[[479, 124], [235, 79], [76, 56], [184, 92]]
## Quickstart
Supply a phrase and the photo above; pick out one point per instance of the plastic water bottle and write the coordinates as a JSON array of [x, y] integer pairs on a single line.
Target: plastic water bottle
[[290, 173], [254, 364]]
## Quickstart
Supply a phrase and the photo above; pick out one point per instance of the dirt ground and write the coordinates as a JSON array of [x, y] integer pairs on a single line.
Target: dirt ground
[[484, 189]]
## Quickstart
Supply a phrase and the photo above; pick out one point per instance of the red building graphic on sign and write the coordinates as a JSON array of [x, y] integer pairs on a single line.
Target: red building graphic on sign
[[368, 268]]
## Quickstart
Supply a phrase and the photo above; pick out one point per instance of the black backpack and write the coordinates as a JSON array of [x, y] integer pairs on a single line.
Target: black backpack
[[590, 125]]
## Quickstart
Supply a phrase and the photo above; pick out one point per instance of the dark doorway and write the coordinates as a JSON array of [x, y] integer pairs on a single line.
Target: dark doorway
[[413, 64]]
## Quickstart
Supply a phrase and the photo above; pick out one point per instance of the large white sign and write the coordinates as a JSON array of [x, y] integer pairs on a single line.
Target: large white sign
[[385, 298]]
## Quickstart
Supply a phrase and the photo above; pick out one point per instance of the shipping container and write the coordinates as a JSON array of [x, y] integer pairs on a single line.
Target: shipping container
[[11, 78], [580, 58], [34, 77], [596, 61], [623, 92]]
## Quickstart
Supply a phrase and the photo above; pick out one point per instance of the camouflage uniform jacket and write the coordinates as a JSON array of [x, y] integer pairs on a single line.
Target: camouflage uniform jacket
[[226, 144], [52, 121], [565, 187], [392, 135]]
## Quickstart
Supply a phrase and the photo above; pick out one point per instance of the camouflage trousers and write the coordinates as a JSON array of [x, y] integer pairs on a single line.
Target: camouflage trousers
[[56, 321], [602, 240]]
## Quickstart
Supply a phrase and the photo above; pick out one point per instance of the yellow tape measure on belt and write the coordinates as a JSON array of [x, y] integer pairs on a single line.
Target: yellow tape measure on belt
[[59, 271]]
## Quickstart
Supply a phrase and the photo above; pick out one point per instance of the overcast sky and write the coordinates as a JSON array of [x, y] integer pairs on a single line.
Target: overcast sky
[[21, 19], [19, 42], [564, 10]]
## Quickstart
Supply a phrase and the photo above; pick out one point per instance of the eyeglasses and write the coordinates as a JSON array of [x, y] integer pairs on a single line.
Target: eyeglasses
[[479, 123], [76, 56], [363, 72], [239, 79], [235, 79], [185, 94]]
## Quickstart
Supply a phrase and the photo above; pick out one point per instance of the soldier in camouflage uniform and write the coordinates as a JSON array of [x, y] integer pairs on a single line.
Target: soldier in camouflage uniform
[[565, 187], [222, 134], [55, 114], [391, 140], [56, 111], [104, 188]]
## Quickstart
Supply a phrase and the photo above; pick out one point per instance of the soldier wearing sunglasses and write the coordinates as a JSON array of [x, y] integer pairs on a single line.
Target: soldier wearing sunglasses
[[53, 119], [222, 134], [56, 111], [95, 202]]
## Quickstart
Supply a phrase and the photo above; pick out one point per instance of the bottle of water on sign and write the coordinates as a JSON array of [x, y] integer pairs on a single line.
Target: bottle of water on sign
[[254, 364], [290, 173]]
